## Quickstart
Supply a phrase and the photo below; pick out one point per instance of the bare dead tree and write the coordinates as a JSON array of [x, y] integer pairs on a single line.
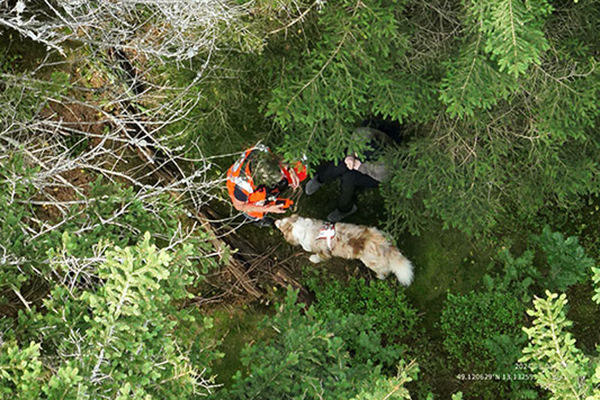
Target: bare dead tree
[[175, 29], [120, 118], [123, 146]]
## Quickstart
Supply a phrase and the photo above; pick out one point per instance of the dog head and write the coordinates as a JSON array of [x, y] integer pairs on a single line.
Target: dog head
[[286, 226]]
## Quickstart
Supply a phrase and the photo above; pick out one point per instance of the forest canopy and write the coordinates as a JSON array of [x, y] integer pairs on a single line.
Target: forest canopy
[[126, 273]]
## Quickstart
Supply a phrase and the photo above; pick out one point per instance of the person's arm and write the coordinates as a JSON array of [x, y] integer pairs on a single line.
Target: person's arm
[[376, 170], [295, 183], [249, 207]]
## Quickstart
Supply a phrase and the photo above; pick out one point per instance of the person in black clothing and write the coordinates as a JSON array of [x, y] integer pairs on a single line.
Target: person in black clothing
[[353, 173]]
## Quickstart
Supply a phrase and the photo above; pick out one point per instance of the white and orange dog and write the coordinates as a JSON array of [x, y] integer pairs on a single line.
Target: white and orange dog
[[347, 241]]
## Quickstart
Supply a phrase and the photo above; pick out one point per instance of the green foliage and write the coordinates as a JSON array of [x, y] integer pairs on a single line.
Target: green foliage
[[481, 330], [517, 276], [59, 83], [116, 213], [473, 82], [113, 213], [382, 301], [15, 187], [505, 147], [65, 383], [596, 279], [481, 336], [469, 321], [20, 370], [391, 388], [22, 96], [552, 356], [567, 260], [566, 109], [413, 198], [310, 359], [119, 338], [498, 105], [551, 262], [350, 72], [506, 351], [363, 339], [513, 30]]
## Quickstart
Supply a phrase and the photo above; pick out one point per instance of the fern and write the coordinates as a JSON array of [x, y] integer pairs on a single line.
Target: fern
[[567, 260]]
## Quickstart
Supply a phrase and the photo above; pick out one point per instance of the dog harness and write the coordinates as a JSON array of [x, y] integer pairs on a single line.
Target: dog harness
[[327, 232]]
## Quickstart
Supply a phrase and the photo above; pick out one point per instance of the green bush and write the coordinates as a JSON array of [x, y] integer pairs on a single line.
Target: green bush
[[113, 213], [551, 262], [481, 333], [469, 320], [15, 188], [481, 330], [117, 214], [122, 339], [567, 262], [309, 358], [383, 301], [552, 356], [518, 275]]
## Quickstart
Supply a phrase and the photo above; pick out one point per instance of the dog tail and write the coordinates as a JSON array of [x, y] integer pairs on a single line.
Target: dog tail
[[402, 268]]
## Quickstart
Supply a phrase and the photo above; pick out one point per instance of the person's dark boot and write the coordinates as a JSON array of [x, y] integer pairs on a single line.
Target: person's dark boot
[[312, 186]]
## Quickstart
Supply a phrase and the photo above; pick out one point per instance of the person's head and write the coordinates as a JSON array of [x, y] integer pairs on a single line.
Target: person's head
[[264, 169]]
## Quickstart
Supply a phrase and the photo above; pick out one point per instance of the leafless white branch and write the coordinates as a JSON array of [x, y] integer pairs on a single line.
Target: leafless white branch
[[174, 29]]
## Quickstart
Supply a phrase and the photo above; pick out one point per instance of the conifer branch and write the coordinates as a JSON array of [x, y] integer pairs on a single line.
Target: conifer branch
[[329, 60]]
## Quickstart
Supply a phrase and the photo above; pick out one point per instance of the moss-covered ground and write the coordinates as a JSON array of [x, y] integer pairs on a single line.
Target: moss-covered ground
[[236, 327]]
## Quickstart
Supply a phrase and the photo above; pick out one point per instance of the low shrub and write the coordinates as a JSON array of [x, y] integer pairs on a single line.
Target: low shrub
[[383, 301]]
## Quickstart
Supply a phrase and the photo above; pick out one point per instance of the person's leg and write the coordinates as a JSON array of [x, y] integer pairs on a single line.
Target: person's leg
[[325, 173], [330, 171], [349, 182]]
